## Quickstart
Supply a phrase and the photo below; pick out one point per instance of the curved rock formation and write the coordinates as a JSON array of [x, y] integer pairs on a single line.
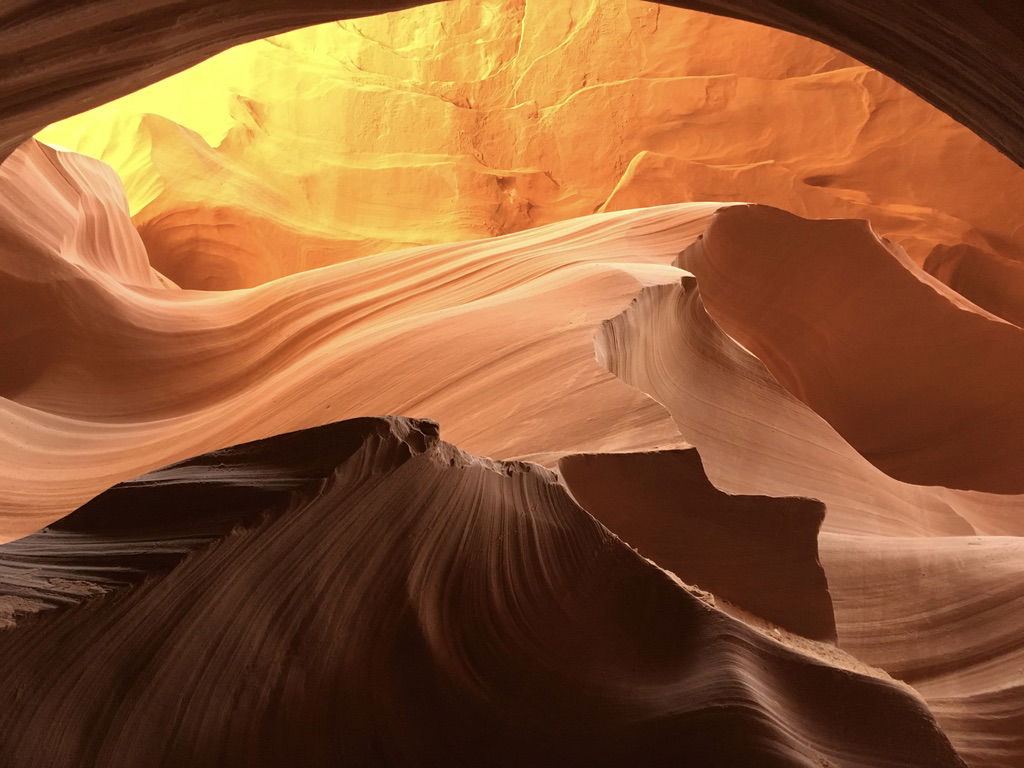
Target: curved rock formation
[[363, 590], [411, 605], [911, 592], [756, 438], [939, 613], [988, 280], [949, 413], [943, 615], [240, 170], [758, 553], [116, 373]]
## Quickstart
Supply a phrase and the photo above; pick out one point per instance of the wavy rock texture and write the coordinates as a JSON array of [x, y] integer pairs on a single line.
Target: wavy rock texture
[[413, 605], [119, 375], [757, 438], [939, 613], [125, 371], [943, 615], [913, 590], [364, 589], [476, 120], [947, 414]]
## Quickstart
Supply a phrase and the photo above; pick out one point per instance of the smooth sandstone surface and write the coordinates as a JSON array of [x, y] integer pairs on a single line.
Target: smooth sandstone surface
[[124, 359], [755, 437], [129, 370], [114, 371], [914, 590], [941, 614], [364, 588], [756, 552], [990, 281], [923, 383]]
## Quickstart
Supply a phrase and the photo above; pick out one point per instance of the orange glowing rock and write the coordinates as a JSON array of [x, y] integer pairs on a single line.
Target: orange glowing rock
[[463, 120], [495, 215]]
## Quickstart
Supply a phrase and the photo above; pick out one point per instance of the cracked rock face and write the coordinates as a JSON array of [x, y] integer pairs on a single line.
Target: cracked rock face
[[466, 120], [960, 56]]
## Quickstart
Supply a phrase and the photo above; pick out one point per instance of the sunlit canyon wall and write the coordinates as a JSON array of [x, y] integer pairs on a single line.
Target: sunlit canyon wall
[[725, 326]]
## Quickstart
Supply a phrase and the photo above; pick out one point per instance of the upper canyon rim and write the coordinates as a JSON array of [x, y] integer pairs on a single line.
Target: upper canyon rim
[[121, 45], [496, 132]]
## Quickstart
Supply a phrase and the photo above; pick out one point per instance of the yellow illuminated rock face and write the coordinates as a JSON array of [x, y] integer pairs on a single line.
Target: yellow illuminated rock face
[[465, 120]]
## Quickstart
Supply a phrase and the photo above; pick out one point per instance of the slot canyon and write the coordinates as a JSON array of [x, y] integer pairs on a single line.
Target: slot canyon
[[512, 383]]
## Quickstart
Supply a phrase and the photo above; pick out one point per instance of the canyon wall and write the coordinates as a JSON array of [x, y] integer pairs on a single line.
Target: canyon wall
[[464, 120], [961, 56], [752, 495]]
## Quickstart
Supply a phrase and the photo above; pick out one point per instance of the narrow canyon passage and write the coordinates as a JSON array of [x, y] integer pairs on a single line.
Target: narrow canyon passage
[[504, 383]]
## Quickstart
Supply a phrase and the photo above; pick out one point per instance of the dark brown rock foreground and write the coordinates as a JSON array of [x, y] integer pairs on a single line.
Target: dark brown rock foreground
[[757, 552], [913, 589], [363, 592]]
